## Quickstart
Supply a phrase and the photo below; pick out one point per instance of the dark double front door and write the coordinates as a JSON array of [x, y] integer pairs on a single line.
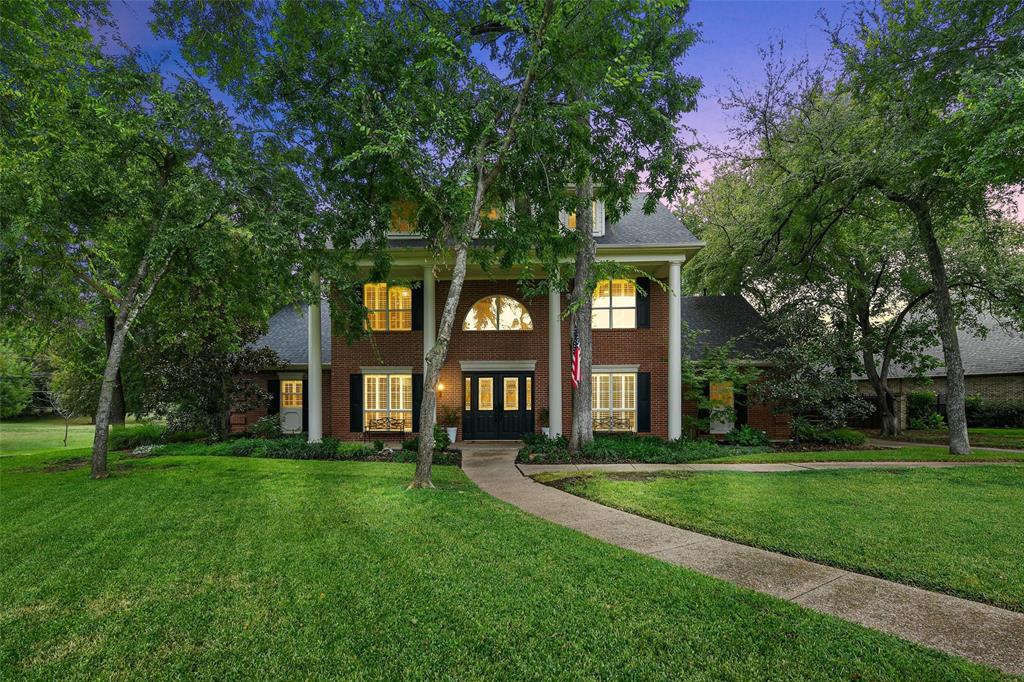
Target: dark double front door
[[497, 405]]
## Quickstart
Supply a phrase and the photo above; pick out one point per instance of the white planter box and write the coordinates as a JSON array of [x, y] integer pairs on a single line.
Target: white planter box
[[546, 430], [452, 430]]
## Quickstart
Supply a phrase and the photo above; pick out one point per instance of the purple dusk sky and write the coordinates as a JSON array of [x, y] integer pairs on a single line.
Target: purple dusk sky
[[732, 32]]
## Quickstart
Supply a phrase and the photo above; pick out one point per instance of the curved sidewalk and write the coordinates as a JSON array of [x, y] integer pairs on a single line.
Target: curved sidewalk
[[979, 632]]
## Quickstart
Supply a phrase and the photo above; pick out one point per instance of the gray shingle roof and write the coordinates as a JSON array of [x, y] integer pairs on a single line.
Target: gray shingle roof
[[287, 334], [1001, 351], [721, 319], [638, 228]]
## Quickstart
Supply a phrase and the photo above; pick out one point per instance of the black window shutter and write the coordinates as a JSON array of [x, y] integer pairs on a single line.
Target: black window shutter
[[643, 303], [704, 413], [417, 306], [355, 403], [417, 399], [643, 402], [274, 389], [359, 294], [740, 408], [305, 406]]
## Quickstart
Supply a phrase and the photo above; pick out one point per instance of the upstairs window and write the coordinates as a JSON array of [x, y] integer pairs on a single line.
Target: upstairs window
[[497, 314], [403, 217], [568, 218], [614, 305], [389, 308]]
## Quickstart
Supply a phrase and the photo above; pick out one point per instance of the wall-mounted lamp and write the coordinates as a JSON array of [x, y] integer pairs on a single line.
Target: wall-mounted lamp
[[440, 387]]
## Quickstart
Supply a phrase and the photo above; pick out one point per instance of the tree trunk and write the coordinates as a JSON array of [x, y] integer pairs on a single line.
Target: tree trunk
[[103, 410], [66, 431], [956, 390], [117, 405], [884, 399], [581, 304], [432, 369]]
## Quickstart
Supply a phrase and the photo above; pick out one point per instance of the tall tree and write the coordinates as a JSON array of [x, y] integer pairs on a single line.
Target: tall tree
[[941, 82], [117, 181]]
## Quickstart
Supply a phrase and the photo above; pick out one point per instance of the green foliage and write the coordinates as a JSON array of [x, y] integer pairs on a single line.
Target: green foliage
[[719, 364], [449, 457], [745, 435], [131, 437], [806, 432], [15, 383], [539, 449], [920, 405], [449, 416], [934, 422], [995, 413], [441, 441], [268, 426]]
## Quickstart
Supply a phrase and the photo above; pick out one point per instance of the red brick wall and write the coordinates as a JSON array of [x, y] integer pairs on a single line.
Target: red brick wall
[[242, 421]]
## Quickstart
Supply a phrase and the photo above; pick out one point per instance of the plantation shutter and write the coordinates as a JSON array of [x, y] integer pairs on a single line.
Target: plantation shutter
[[274, 389], [305, 406], [417, 399], [643, 303], [355, 403], [417, 306], [643, 402]]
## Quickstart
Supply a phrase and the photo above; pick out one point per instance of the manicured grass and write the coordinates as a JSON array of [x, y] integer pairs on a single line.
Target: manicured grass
[[914, 454], [18, 437], [225, 568], [980, 437], [955, 530]]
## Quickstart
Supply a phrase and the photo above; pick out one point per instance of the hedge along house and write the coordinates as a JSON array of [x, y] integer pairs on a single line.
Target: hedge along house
[[508, 363]]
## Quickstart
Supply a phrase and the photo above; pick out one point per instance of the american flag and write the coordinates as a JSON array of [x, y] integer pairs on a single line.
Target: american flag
[[577, 369]]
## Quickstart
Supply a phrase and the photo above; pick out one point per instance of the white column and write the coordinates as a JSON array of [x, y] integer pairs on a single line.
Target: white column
[[555, 361], [675, 351], [314, 401], [429, 323]]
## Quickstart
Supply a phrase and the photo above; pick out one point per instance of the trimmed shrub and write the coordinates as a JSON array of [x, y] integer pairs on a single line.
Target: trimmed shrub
[[933, 422], [131, 437], [746, 436], [267, 427], [995, 413], [624, 448], [920, 405], [805, 432], [441, 457]]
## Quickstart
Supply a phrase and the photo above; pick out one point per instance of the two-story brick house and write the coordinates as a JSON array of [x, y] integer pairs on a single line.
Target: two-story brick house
[[508, 363]]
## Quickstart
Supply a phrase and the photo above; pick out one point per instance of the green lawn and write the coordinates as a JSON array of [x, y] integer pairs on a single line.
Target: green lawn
[[924, 453], [231, 568], [29, 435], [980, 437], [955, 530]]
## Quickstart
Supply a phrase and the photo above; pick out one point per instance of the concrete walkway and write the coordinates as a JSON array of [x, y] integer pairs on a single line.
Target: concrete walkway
[[982, 633], [531, 469]]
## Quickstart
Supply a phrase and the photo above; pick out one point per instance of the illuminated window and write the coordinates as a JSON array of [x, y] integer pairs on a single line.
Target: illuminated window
[[511, 393], [387, 402], [485, 393], [614, 305], [613, 402], [497, 313], [291, 394], [722, 397], [403, 217], [469, 394], [568, 218], [529, 393], [492, 213], [389, 308]]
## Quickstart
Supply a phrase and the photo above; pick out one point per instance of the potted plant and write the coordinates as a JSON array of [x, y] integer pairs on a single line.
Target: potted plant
[[449, 418], [544, 426]]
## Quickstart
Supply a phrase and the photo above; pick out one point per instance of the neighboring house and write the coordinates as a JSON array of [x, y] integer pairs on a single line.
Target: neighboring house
[[508, 366], [993, 368]]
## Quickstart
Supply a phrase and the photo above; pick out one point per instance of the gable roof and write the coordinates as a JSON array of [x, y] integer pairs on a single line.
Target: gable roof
[[721, 319], [287, 334], [1000, 351]]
